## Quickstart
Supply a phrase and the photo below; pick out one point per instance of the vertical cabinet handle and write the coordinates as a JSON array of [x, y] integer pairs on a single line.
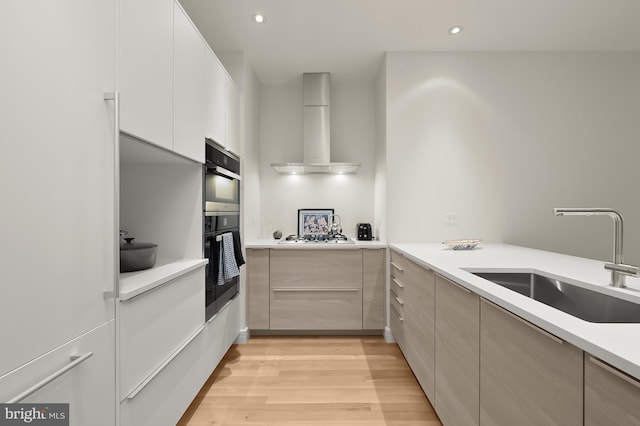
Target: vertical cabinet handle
[[115, 98], [75, 360]]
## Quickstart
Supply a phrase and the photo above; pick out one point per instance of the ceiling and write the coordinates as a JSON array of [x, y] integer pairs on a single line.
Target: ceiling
[[349, 37]]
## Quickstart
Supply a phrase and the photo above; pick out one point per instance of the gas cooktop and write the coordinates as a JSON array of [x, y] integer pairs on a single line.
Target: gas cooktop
[[317, 239]]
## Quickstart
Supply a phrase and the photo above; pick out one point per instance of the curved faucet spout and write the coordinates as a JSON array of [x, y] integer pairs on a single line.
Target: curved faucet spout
[[618, 268]]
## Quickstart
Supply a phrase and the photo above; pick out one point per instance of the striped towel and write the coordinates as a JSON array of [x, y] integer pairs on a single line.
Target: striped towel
[[227, 266]]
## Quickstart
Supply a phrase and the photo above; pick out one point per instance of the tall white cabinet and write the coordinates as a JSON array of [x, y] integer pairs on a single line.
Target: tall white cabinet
[[57, 183]]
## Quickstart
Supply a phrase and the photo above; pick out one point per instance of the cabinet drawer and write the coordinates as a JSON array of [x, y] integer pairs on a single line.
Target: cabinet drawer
[[164, 398], [154, 324], [398, 264], [220, 333], [88, 387], [397, 287], [397, 328], [316, 309], [397, 303]]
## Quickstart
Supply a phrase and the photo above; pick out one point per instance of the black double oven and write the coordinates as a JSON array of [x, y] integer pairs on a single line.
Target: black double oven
[[221, 213]]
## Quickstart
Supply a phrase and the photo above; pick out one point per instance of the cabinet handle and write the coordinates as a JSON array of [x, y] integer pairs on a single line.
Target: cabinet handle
[[395, 312], [466, 290], [615, 372], [398, 300], [115, 97], [395, 265], [314, 289], [161, 367], [525, 322], [398, 283], [75, 360]]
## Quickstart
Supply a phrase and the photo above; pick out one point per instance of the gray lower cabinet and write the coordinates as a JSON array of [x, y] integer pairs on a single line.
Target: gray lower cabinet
[[527, 376], [258, 289], [611, 397], [457, 362], [419, 323]]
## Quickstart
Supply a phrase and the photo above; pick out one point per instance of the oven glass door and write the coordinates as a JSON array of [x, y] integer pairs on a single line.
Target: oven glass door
[[221, 193]]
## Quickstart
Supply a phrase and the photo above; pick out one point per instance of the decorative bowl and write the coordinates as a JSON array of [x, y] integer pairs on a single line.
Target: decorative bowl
[[461, 244]]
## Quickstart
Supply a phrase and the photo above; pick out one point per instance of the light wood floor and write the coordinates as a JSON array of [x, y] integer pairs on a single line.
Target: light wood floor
[[319, 380]]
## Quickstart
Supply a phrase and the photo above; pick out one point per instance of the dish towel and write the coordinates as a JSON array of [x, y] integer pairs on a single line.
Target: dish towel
[[227, 266], [237, 247]]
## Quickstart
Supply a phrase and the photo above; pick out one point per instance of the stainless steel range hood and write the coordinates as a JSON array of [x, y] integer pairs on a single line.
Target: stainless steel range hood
[[317, 142]]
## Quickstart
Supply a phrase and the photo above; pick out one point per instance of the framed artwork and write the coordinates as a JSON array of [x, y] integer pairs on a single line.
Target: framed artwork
[[314, 221]]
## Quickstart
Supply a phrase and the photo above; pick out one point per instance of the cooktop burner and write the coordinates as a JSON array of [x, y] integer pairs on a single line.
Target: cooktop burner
[[317, 238]]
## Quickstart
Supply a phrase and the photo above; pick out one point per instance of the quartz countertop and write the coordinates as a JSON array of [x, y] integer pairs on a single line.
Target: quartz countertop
[[274, 244], [615, 343]]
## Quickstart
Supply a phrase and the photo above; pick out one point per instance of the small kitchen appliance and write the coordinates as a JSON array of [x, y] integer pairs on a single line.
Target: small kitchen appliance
[[364, 232]]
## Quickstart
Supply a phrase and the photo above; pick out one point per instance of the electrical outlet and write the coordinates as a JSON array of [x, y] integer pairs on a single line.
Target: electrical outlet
[[451, 218]]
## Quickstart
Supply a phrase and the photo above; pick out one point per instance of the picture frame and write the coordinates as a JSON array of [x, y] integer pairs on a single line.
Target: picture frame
[[314, 221]]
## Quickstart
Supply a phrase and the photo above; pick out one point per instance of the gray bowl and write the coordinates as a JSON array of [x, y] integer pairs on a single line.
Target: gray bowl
[[137, 256]]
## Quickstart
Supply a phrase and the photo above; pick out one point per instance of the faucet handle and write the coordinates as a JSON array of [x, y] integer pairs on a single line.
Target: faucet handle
[[622, 268]]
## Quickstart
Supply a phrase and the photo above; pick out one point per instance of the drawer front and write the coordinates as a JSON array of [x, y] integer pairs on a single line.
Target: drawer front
[[163, 400], [154, 324], [88, 387], [397, 328], [316, 309], [220, 333], [397, 287], [315, 268], [398, 264], [397, 303]]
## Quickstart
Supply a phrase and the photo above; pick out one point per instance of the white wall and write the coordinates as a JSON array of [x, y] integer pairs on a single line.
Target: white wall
[[502, 138], [352, 140]]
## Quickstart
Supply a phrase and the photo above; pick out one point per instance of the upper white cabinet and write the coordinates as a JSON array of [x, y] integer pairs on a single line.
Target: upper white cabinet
[[215, 99], [233, 117], [146, 70], [189, 88]]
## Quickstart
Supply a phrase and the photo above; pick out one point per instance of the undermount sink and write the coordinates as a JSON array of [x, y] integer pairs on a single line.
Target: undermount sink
[[580, 302]]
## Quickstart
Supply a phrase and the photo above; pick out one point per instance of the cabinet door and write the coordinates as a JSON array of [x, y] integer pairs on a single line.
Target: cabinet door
[[233, 117], [146, 70], [457, 354], [373, 289], [258, 289], [316, 290], [419, 313], [528, 376], [610, 396], [189, 88], [215, 99], [56, 173], [88, 386]]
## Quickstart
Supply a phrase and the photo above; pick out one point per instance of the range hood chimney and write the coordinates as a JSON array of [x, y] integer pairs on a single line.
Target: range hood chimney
[[317, 131]]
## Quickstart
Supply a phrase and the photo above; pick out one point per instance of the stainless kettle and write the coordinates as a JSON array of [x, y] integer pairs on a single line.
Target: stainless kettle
[[335, 227]]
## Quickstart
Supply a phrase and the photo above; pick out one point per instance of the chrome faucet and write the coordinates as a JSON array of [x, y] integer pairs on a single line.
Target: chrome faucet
[[618, 268]]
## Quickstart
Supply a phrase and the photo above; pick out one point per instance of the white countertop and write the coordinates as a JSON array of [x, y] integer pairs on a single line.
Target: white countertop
[[617, 344], [134, 283], [274, 244]]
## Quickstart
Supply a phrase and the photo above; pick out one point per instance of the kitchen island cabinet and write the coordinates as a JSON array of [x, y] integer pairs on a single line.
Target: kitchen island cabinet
[[457, 366], [527, 376], [610, 396]]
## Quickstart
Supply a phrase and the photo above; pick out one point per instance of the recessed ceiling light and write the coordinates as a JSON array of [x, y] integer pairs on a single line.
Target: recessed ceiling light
[[455, 30], [259, 18]]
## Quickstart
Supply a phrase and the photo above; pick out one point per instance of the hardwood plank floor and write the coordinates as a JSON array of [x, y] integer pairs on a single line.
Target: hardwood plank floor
[[316, 380]]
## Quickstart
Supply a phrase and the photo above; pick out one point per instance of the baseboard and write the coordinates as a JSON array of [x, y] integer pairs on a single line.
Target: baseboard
[[388, 337], [243, 336]]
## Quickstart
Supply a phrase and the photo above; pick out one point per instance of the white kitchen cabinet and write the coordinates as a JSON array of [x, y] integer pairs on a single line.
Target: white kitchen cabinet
[[189, 88], [610, 396], [258, 289], [315, 290], [215, 99], [233, 117], [88, 387], [145, 78], [373, 288], [457, 361], [57, 180], [527, 376], [155, 323]]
